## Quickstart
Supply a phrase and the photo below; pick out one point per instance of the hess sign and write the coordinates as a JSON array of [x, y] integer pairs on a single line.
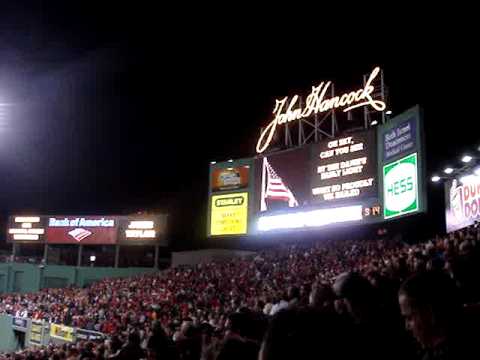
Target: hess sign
[[400, 187]]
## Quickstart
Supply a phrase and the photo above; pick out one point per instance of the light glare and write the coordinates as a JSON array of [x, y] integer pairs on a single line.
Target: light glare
[[315, 218]]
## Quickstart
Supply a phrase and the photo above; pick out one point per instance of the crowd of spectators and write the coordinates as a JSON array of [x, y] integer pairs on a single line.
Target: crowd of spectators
[[377, 299]]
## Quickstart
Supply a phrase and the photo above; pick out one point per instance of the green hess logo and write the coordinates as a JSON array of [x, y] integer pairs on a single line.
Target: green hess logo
[[400, 187]]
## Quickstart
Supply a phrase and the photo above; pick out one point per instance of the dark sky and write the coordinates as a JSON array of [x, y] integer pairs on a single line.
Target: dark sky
[[117, 109]]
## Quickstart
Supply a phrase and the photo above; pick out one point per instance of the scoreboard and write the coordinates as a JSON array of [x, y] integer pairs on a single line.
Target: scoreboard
[[368, 176]]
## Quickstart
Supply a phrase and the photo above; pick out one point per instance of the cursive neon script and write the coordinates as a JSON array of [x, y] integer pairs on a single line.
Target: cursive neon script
[[288, 110]]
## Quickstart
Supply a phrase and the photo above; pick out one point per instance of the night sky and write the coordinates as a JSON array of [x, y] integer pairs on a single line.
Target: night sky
[[115, 109]]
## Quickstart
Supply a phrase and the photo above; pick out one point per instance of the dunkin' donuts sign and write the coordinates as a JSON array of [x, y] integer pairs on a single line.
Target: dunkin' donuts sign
[[462, 203]]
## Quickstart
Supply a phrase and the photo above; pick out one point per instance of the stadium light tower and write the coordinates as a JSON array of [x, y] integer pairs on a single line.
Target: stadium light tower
[[467, 158], [466, 179], [3, 109]]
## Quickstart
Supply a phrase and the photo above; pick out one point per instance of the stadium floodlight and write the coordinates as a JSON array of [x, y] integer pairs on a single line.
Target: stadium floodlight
[[448, 170], [467, 179], [467, 158], [213, 162], [388, 112], [435, 178], [374, 122]]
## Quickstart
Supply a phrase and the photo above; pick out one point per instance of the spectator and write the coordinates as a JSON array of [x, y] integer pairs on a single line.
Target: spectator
[[236, 297], [300, 333], [237, 344], [322, 298], [377, 334], [159, 346], [432, 310], [131, 350]]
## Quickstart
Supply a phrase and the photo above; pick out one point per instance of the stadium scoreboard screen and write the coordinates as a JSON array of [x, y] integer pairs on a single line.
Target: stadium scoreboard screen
[[369, 176], [344, 168]]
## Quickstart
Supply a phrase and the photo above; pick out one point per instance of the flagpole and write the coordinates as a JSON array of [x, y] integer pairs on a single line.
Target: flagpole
[[263, 204]]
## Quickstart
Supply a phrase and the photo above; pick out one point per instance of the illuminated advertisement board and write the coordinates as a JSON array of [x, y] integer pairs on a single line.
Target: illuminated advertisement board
[[361, 177], [230, 178], [402, 165], [400, 187], [229, 214], [400, 139], [137, 229], [62, 332], [291, 109], [36, 333], [89, 230], [142, 229], [462, 202], [26, 229]]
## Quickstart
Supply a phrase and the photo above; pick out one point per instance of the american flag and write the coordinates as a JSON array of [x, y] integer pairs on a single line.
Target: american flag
[[274, 188]]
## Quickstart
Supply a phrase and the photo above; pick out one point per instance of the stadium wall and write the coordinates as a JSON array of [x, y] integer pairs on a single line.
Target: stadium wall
[[26, 278], [7, 336]]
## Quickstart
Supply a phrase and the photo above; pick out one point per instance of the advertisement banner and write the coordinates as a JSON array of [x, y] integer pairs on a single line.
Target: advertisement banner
[[36, 333], [230, 178], [62, 332], [29, 229], [400, 187], [400, 139], [143, 230], [88, 335], [229, 214], [462, 202], [90, 230], [19, 323]]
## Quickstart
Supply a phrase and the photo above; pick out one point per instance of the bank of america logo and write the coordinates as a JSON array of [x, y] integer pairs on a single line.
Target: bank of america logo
[[79, 234]]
